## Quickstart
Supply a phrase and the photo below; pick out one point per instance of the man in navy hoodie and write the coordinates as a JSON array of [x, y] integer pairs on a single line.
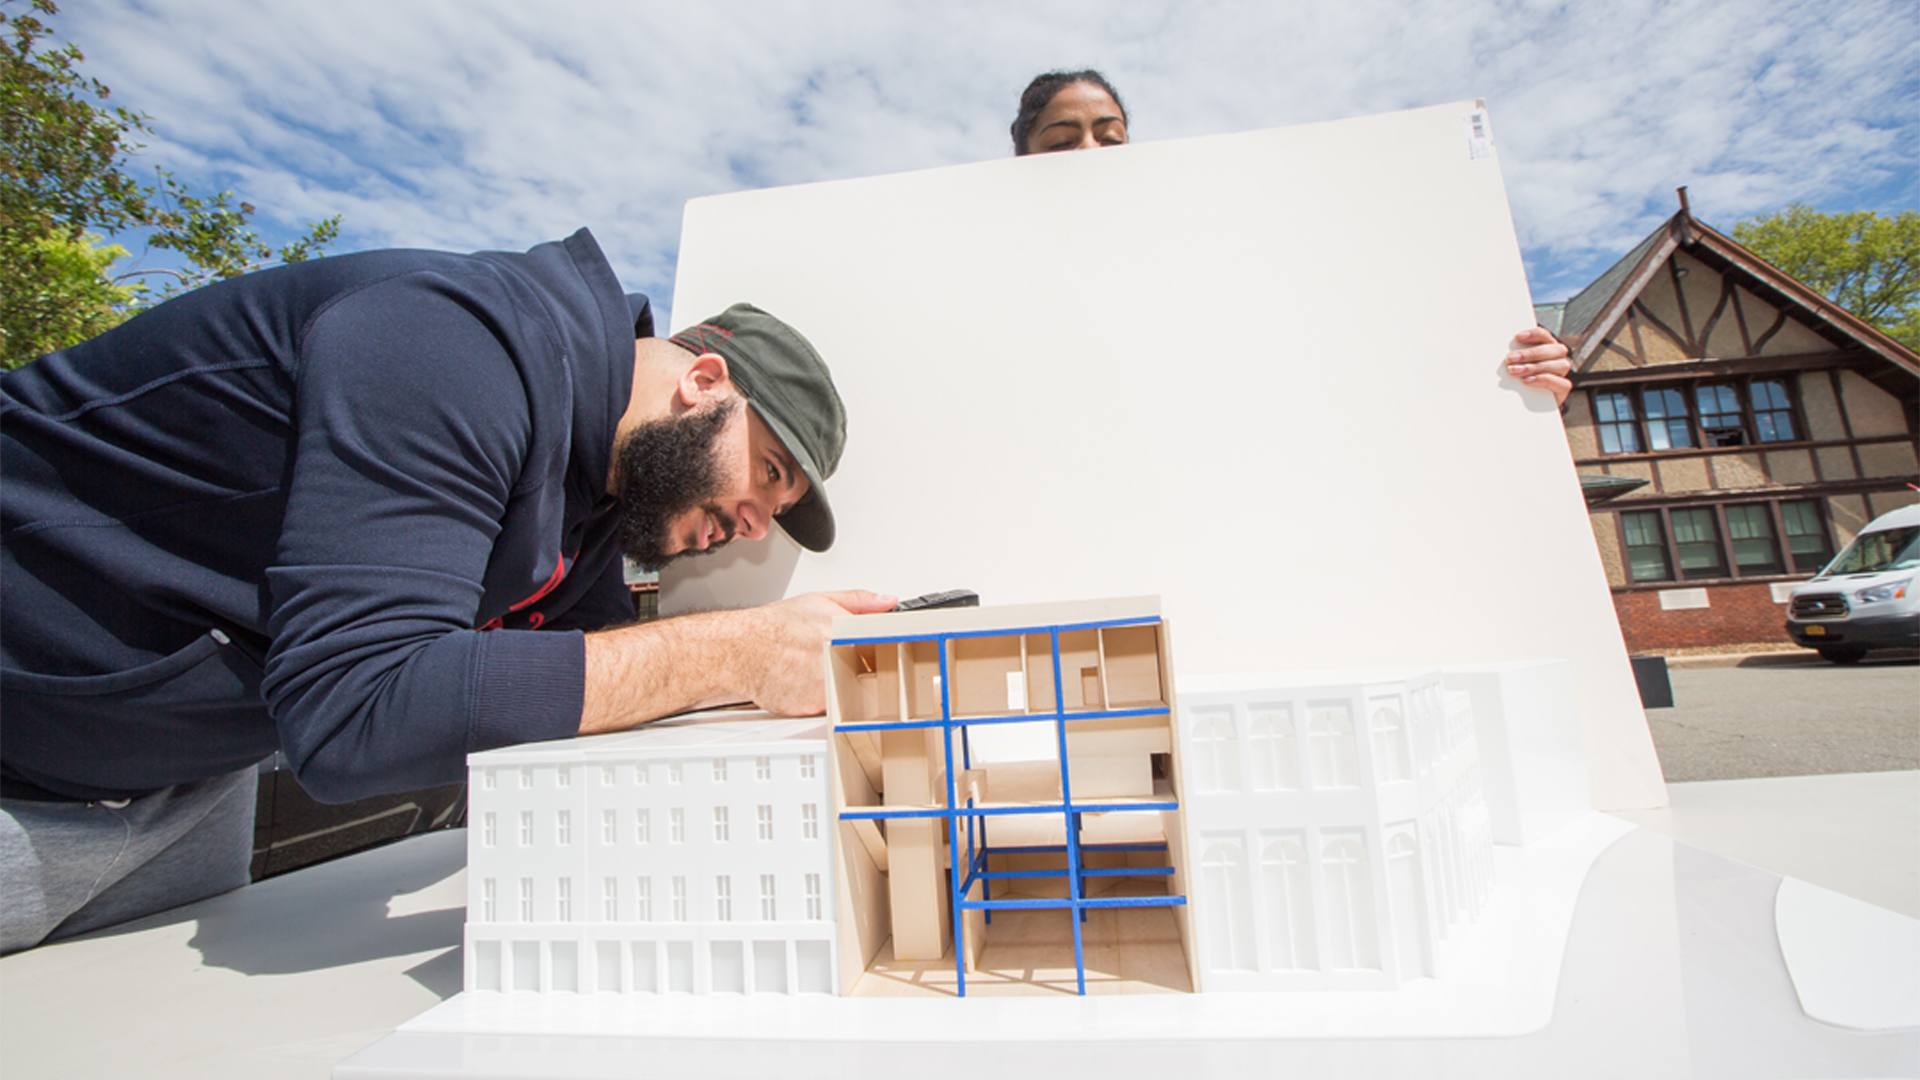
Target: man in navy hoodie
[[369, 511]]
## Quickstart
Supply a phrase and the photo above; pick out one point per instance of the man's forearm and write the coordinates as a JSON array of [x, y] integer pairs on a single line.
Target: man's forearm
[[643, 672], [773, 656]]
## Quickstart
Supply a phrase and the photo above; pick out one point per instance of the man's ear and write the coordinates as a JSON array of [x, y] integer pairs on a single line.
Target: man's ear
[[704, 378]]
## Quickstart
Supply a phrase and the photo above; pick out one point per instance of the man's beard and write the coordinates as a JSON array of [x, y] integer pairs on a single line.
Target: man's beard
[[668, 467]]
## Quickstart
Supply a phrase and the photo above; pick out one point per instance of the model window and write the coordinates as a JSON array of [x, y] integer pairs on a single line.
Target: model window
[[1806, 536], [1720, 416], [1646, 546], [1618, 432], [1667, 427], [1750, 528], [1697, 539], [1772, 415]]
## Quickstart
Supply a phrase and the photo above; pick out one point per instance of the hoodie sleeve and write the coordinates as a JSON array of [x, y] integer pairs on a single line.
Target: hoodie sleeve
[[414, 433]]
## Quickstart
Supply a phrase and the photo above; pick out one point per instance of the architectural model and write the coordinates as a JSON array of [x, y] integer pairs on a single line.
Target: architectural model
[[1340, 828], [1009, 801], [677, 858]]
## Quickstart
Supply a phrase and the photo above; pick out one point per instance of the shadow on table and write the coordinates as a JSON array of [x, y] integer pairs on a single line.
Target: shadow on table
[[334, 915]]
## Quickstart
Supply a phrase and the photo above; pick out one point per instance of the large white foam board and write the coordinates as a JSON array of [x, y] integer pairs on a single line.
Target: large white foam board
[[1257, 374]]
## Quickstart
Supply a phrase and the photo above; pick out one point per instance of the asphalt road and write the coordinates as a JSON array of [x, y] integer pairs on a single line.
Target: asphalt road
[[1790, 716]]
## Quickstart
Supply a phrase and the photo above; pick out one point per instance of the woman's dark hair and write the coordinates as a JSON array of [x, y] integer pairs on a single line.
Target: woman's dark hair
[[1040, 92]]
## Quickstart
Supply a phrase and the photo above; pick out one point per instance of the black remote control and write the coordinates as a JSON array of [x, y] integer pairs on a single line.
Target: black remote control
[[949, 598]]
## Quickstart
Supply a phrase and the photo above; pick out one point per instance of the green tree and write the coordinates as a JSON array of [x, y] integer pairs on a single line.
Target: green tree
[[1862, 261], [64, 182]]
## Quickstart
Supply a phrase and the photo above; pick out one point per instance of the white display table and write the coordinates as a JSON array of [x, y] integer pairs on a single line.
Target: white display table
[[1673, 968]]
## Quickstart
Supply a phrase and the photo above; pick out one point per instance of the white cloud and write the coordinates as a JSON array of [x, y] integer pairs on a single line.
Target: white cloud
[[485, 123]]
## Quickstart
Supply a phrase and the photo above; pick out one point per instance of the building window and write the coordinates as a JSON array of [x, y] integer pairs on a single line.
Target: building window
[[487, 912], [1719, 418], [809, 821], [606, 776], [720, 829], [813, 897], [610, 899], [563, 828], [1806, 535], [488, 780], [722, 898], [487, 830], [1646, 546], [1618, 432], [564, 898], [642, 826], [763, 768], [1697, 541], [675, 773], [609, 826], [526, 776], [526, 828], [1750, 529], [766, 898], [763, 821], [806, 766], [563, 777], [719, 769], [1723, 414], [526, 899], [1667, 425], [1772, 413], [643, 899], [679, 899], [676, 826], [1333, 757], [640, 774]]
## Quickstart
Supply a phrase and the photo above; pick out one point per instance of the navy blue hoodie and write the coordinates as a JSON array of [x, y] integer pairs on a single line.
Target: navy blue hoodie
[[337, 508]]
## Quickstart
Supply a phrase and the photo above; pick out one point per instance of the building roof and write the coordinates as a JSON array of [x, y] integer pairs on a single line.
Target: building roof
[[1580, 311], [1587, 319]]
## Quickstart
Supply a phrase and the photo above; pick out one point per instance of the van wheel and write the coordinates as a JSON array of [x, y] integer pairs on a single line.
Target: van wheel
[[1842, 654]]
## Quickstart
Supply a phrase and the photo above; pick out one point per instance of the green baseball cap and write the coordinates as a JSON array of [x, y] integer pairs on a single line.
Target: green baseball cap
[[787, 383]]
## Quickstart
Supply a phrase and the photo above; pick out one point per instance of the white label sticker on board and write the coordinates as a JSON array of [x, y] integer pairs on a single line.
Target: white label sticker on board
[[1479, 135]]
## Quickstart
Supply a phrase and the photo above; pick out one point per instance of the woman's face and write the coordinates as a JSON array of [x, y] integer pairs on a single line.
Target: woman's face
[[1080, 117]]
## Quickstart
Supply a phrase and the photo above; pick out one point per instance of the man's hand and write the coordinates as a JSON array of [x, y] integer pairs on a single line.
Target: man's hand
[[768, 655], [793, 677], [1538, 359]]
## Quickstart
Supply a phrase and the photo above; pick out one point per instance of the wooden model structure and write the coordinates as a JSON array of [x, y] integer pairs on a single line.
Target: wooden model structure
[[1014, 761]]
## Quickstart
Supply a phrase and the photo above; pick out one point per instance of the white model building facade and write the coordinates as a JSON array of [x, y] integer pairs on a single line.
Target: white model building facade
[[682, 857], [1338, 829]]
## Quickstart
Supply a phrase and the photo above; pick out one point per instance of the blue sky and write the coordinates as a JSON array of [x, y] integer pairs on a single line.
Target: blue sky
[[465, 124]]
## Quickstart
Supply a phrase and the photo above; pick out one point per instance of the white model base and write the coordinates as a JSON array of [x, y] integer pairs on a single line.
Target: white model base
[[1502, 983]]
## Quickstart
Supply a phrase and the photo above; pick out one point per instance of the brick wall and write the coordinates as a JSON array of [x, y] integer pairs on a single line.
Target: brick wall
[[1737, 615]]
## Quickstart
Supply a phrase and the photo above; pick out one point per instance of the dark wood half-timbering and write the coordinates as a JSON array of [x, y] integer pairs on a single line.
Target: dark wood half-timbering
[[1767, 423]]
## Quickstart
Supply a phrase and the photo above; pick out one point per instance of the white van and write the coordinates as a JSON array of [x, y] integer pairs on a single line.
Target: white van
[[1868, 597]]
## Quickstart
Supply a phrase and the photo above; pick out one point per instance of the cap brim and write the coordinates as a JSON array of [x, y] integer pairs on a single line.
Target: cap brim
[[810, 521]]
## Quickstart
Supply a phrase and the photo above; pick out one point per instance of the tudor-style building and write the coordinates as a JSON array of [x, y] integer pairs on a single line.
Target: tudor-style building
[[1768, 426]]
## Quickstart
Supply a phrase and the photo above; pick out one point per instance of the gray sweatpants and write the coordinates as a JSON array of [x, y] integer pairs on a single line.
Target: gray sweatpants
[[66, 868]]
